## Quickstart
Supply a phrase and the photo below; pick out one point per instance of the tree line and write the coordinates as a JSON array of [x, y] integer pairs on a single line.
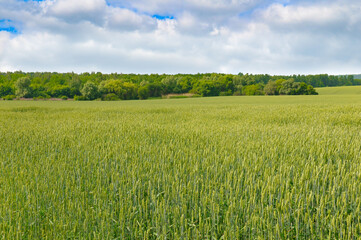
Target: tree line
[[90, 86]]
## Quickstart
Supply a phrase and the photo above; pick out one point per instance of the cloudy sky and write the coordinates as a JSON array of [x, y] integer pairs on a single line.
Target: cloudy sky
[[181, 36]]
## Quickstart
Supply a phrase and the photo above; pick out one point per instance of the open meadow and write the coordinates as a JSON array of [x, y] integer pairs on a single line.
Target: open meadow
[[267, 167]]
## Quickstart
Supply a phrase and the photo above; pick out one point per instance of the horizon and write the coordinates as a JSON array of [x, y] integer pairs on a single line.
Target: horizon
[[171, 74]]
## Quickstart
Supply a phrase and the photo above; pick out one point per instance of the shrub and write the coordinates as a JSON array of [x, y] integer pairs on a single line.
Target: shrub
[[143, 92], [251, 90], [60, 91], [237, 93], [79, 98], [177, 96], [39, 98], [6, 90], [226, 93], [9, 97], [110, 97]]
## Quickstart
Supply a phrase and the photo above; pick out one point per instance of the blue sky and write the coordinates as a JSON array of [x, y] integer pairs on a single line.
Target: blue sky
[[173, 36]]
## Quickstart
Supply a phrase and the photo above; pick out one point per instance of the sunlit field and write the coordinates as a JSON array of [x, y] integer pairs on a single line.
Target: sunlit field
[[344, 90], [277, 167]]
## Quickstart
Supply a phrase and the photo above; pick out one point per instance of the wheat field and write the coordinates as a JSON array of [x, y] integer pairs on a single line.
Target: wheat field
[[286, 167]]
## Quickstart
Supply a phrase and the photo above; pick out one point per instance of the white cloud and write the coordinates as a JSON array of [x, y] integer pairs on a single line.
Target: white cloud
[[79, 10], [206, 6], [204, 36], [124, 19]]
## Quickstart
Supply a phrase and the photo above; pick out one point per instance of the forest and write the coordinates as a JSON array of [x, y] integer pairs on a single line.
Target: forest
[[117, 86]]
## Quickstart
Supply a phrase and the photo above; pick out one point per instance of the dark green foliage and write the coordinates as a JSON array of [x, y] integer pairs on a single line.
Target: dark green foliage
[[75, 86], [143, 92], [288, 87], [136, 86], [110, 97], [124, 90], [6, 90], [90, 91], [226, 93], [59, 91], [271, 88], [311, 91], [185, 84], [155, 89], [39, 98], [9, 97], [23, 88], [254, 89], [39, 90], [79, 98], [206, 88], [170, 84]]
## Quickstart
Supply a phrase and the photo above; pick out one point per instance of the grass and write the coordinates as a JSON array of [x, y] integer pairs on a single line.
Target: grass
[[345, 90], [286, 167]]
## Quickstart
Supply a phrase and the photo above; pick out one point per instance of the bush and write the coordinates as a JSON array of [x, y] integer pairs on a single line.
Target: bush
[[177, 96], [9, 97], [6, 90], [59, 91], [79, 98], [39, 98], [226, 93], [251, 90], [143, 92], [311, 90], [41, 95], [110, 97], [64, 98], [237, 93]]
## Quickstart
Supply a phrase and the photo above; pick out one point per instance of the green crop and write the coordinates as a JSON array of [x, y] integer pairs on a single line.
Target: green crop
[[201, 168], [344, 90]]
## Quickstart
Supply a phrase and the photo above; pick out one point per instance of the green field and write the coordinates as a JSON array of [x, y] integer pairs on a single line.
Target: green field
[[285, 167], [346, 90]]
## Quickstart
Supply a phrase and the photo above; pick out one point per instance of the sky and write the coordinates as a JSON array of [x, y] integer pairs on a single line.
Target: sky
[[181, 36]]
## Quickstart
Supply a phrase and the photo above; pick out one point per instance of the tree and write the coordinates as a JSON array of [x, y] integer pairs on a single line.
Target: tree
[[271, 88], [311, 90], [5, 90], [206, 88], [224, 83], [170, 84], [184, 84], [254, 89], [287, 87], [124, 90], [155, 89], [59, 91], [90, 91], [75, 86], [143, 92], [23, 88], [130, 91], [111, 86], [300, 88]]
